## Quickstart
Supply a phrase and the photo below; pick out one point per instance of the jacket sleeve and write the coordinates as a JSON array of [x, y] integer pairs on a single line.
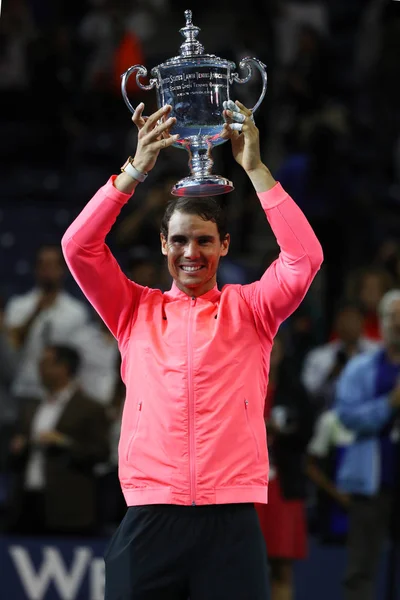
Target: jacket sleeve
[[286, 281], [357, 409], [93, 266]]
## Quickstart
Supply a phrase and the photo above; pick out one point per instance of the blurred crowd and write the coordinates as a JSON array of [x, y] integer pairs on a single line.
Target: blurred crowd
[[329, 126]]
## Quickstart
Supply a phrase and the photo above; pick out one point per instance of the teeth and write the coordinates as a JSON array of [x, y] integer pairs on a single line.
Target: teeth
[[191, 269]]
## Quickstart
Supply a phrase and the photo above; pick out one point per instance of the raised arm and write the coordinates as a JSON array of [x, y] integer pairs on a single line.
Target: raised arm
[[92, 264], [286, 281], [88, 257]]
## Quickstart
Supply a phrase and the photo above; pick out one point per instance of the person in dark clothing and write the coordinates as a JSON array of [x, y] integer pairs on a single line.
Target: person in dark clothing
[[56, 445], [289, 420]]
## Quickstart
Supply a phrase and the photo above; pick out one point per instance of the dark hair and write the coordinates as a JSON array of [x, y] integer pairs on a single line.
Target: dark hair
[[207, 208], [56, 248], [347, 303], [67, 356]]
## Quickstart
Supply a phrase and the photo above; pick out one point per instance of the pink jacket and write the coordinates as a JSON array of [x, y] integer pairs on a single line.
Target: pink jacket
[[195, 369]]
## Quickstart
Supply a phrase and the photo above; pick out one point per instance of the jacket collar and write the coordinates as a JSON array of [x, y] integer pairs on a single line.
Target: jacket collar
[[177, 294]]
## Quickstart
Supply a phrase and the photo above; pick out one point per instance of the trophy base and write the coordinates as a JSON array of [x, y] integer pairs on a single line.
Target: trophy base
[[197, 187]]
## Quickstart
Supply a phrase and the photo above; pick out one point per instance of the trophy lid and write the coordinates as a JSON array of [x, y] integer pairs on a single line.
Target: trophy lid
[[190, 49], [191, 45]]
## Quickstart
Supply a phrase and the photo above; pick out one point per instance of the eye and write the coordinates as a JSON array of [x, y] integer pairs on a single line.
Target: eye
[[204, 241], [178, 241]]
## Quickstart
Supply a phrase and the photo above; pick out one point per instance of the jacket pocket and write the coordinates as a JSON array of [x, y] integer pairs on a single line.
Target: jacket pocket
[[250, 428], [134, 432]]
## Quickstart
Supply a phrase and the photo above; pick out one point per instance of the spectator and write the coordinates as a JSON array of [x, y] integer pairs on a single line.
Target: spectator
[[368, 402], [46, 313], [323, 364], [388, 258], [367, 285], [325, 454], [289, 422], [56, 446]]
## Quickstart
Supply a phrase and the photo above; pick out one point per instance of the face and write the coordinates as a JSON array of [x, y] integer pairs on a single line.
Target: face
[[49, 269], [349, 325], [390, 325], [51, 372], [372, 290], [193, 250]]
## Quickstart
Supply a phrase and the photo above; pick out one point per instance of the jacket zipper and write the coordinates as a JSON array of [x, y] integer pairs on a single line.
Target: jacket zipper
[[246, 404], [192, 447]]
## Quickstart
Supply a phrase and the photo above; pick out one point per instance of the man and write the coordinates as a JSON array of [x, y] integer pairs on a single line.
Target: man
[[192, 453], [56, 446], [368, 403], [45, 314], [323, 364]]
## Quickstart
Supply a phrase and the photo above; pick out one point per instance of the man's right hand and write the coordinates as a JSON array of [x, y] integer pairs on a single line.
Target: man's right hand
[[153, 136]]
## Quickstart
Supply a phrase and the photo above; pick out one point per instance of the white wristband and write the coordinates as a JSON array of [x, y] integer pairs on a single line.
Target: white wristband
[[130, 170]]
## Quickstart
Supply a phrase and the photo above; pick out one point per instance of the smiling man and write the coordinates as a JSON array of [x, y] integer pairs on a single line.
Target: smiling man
[[193, 455], [193, 238]]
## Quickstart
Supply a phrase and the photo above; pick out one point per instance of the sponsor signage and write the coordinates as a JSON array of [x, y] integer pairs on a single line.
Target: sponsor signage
[[51, 569]]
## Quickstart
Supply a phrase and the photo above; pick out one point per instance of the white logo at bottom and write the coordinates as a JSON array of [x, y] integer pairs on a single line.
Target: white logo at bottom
[[53, 569]]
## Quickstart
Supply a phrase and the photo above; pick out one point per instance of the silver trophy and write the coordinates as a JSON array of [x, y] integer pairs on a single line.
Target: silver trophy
[[196, 85]]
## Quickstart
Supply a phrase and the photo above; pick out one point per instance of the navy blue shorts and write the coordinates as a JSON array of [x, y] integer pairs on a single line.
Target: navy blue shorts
[[170, 552]]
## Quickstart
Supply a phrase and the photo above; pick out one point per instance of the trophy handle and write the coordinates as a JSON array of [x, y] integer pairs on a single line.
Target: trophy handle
[[141, 72], [247, 62]]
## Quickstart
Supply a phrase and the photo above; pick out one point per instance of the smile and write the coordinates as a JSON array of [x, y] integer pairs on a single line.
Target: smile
[[188, 269]]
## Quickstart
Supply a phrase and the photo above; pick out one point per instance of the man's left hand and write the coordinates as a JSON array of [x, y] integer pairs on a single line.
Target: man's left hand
[[243, 133]]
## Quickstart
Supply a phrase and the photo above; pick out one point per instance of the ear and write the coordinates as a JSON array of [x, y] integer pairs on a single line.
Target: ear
[[164, 249], [225, 245]]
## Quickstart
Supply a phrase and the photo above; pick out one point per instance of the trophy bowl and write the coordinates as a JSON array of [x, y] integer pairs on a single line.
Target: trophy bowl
[[196, 85]]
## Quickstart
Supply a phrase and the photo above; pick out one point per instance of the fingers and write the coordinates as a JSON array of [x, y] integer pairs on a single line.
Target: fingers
[[243, 108], [137, 117], [161, 130], [228, 133], [237, 115], [167, 141], [159, 114], [230, 105]]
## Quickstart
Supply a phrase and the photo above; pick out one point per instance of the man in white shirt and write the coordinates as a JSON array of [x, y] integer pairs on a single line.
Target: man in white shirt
[[45, 314]]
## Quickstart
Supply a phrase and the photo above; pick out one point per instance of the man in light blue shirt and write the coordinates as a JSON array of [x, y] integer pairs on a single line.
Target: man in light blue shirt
[[368, 403]]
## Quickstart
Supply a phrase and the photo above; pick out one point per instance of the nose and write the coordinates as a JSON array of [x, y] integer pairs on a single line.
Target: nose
[[192, 250]]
